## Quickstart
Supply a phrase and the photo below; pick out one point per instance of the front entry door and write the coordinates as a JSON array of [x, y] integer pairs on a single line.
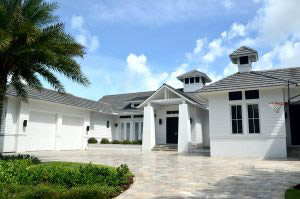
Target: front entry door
[[295, 124], [172, 130]]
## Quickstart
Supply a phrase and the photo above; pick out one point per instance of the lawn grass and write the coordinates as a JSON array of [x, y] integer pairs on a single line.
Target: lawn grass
[[27, 179], [292, 193]]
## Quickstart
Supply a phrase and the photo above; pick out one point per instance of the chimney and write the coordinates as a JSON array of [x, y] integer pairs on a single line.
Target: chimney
[[244, 57]]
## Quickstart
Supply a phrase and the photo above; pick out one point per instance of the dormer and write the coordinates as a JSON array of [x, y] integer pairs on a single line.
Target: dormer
[[193, 80], [243, 57]]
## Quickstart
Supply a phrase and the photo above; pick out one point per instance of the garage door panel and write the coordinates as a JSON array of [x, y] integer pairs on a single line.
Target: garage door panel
[[72, 131], [41, 131]]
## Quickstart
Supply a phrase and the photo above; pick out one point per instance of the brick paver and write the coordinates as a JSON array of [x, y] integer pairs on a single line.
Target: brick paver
[[165, 175]]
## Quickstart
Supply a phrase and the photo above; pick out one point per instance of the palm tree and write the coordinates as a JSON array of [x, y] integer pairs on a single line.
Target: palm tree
[[34, 46]]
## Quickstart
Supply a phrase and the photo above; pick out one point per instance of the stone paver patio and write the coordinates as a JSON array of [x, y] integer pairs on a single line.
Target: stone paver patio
[[163, 175]]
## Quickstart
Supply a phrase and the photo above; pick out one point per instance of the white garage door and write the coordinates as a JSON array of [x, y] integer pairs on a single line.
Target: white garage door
[[41, 131], [72, 131]]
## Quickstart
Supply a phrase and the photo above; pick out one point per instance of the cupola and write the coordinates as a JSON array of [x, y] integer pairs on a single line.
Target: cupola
[[243, 57], [193, 80]]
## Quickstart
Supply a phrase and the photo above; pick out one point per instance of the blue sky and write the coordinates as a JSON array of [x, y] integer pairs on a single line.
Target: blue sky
[[137, 45]]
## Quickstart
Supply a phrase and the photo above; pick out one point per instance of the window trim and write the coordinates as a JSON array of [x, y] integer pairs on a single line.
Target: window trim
[[259, 119], [230, 116]]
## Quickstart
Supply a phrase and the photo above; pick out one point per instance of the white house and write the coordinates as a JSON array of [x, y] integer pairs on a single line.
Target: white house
[[248, 114]]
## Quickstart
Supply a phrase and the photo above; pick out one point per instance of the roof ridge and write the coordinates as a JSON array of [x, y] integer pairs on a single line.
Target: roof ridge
[[275, 69], [127, 93]]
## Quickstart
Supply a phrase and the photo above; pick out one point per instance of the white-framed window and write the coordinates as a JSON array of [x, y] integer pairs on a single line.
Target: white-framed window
[[253, 118], [236, 119]]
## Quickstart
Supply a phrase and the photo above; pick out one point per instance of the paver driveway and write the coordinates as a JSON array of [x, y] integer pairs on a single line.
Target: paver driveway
[[171, 176]]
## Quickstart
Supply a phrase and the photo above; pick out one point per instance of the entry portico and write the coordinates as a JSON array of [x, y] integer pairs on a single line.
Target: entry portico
[[170, 118]]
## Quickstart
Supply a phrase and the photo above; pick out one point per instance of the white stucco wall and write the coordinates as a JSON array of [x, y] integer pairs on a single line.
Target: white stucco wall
[[99, 128], [271, 142]]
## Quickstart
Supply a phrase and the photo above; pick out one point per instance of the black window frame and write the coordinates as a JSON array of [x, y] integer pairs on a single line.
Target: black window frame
[[244, 60], [251, 94], [253, 118], [187, 80], [233, 97], [236, 121], [192, 80], [197, 79], [125, 116], [172, 112]]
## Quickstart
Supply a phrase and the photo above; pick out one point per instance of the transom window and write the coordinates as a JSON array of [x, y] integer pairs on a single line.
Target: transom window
[[253, 118], [235, 95], [252, 94], [125, 116], [172, 112], [236, 119]]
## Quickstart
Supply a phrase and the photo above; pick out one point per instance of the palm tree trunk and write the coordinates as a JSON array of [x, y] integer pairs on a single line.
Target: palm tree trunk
[[3, 87]]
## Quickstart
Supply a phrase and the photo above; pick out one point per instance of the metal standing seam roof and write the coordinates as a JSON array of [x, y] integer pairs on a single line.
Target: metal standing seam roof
[[121, 103], [194, 73], [65, 99], [255, 79]]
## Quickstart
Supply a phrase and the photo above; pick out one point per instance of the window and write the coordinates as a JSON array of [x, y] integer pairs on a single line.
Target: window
[[125, 116], [253, 94], [253, 118], [203, 80], [172, 112], [187, 80], [244, 60], [107, 124], [235, 95], [138, 116], [236, 119], [197, 79], [192, 80]]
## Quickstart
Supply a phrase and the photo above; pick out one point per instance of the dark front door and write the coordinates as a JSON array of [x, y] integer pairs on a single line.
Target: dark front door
[[295, 124], [172, 130]]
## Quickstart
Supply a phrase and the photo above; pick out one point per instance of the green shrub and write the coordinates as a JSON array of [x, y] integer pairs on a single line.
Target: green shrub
[[33, 159], [136, 142], [126, 142], [116, 142], [105, 141], [21, 178], [92, 141]]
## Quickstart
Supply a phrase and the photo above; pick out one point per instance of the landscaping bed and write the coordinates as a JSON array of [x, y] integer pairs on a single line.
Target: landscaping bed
[[293, 193], [25, 177]]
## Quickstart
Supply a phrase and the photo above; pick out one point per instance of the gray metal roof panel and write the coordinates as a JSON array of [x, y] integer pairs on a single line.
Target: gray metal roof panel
[[65, 99], [121, 103], [255, 79]]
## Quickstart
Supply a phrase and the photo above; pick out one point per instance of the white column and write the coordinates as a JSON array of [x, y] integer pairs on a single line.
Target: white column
[[148, 129], [184, 128]]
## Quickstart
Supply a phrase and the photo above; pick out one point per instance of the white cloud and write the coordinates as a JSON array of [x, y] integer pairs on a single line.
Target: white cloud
[[137, 65], [276, 21], [83, 36], [228, 4], [172, 79], [77, 22], [199, 46], [215, 50]]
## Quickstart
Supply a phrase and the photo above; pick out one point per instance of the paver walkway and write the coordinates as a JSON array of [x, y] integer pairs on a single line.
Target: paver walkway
[[162, 175]]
